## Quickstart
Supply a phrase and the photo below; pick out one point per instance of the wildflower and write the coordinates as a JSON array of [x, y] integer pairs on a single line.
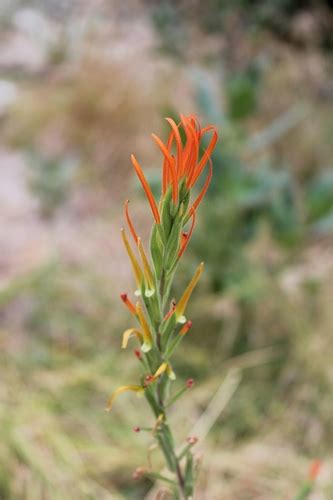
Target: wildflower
[[160, 332]]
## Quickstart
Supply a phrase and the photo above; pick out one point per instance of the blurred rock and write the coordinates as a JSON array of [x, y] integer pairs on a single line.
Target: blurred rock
[[8, 94], [20, 53]]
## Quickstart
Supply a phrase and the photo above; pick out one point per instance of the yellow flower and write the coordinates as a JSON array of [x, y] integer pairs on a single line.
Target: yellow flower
[[181, 306], [136, 268], [165, 367], [128, 334], [124, 388]]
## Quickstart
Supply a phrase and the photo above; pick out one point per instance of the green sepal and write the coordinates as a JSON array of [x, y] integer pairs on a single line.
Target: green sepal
[[173, 244], [156, 250], [183, 190], [166, 218], [168, 325]]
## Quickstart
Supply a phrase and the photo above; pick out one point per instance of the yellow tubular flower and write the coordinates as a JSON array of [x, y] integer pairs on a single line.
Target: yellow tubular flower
[[124, 388], [136, 268], [181, 306], [128, 334], [165, 367], [147, 336], [146, 269]]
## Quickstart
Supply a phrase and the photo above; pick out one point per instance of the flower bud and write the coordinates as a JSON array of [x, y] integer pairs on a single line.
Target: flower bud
[[192, 440], [189, 383]]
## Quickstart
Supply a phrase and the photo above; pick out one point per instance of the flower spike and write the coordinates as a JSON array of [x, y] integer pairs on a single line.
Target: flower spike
[[147, 189], [186, 158]]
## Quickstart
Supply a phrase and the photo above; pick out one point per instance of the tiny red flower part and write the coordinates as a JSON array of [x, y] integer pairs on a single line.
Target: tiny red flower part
[[186, 327], [137, 354], [139, 473], [136, 429], [192, 440], [148, 380], [189, 383], [315, 469], [128, 303]]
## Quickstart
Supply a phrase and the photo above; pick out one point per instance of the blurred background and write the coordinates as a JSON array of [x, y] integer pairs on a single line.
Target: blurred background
[[83, 83]]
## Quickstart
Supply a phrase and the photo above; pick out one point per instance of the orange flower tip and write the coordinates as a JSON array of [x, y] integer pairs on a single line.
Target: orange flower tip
[[123, 297], [186, 327], [190, 383], [192, 440], [136, 429], [315, 469], [137, 354]]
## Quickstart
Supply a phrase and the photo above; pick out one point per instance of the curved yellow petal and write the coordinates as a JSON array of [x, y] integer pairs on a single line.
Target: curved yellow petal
[[165, 367], [128, 334], [181, 306], [161, 370], [124, 388]]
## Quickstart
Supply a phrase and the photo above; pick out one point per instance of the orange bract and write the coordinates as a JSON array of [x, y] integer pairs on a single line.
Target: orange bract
[[185, 165]]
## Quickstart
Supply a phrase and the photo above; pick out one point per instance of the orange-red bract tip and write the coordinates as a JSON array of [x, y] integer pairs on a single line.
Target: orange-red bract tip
[[130, 223], [146, 188]]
